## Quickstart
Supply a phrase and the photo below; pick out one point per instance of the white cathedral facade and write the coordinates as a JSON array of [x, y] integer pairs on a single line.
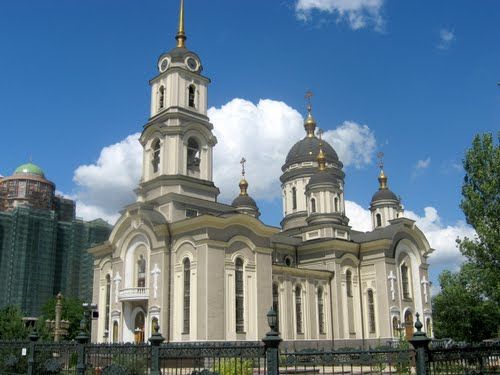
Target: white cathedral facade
[[205, 270]]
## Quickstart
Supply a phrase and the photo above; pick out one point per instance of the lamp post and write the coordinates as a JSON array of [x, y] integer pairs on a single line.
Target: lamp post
[[272, 342]]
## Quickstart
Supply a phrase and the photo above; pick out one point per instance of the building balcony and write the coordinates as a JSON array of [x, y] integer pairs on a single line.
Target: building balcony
[[133, 294]]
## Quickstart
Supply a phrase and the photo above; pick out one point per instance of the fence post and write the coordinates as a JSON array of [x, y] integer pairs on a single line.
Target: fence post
[[156, 339], [82, 339], [31, 356], [272, 342], [420, 342]]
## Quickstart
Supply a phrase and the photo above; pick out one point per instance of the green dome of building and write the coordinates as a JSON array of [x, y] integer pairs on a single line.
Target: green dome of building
[[31, 169]]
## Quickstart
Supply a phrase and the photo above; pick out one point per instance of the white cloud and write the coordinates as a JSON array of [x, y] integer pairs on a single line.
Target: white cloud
[[357, 13], [442, 238], [263, 133], [423, 164], [359, 217], [446, 37], [103, 188], [354, 143]]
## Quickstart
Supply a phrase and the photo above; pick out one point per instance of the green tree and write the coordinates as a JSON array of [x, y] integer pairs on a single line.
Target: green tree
[[461, 311], [481, 206], [12, 326], [72, 311]]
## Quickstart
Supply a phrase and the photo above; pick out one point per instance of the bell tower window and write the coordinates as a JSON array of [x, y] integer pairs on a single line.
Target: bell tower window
[[161, 98], [191, 95], [155, 161], [379, 220], [193, 154], [240, 296], [336, 204]]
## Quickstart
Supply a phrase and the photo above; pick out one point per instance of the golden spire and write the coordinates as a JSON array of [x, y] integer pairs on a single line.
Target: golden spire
[[310, 123], [382, 178], [321, 155], [243, 182], [181, 35]]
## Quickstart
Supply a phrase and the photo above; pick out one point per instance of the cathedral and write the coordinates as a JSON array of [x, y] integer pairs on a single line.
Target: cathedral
[[205, 270]]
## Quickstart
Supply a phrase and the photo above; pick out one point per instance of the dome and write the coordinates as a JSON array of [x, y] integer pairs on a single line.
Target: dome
[[29, 168], [244, 201], [384, 194], [307, 149], [322, 177]]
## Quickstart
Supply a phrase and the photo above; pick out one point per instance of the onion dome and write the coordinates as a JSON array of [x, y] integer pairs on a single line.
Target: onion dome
[[383, 192], [308, 148], [322, 176], [243, 202], [30, 168]]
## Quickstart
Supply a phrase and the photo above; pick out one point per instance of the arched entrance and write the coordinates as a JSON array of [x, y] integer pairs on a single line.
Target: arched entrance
[[139, 327], [408, 325]]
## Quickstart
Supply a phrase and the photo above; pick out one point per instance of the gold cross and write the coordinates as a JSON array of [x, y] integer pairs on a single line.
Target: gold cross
[[242, 162], [308, 97], [380, 157]]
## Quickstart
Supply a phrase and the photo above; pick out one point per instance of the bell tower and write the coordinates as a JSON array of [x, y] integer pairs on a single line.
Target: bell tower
[[178, 138]]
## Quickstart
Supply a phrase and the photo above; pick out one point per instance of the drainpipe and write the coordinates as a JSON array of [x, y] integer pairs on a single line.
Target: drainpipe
[[361, 299]]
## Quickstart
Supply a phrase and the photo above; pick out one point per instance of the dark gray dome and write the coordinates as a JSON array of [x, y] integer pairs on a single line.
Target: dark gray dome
[[384, 194], [322, 177], [244, 201], [178, 54], [307, 149]]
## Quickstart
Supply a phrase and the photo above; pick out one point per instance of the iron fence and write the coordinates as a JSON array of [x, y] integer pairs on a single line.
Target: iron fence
[[240, 358], [465, 360], [374, 361]]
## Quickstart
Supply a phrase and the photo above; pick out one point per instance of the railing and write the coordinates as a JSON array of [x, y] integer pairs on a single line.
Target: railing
[[130, 294], [239, 358], [376, 361]]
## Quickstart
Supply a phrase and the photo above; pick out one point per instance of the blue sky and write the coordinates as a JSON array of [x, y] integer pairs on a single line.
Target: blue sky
[[414, 79]]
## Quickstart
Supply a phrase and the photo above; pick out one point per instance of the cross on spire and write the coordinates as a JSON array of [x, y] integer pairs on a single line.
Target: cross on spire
[[242, 162], [308, 97], [380, 157]]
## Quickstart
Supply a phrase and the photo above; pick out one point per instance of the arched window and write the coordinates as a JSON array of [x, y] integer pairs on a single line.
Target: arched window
[[240, 296], [321, 312], [404, 281], [395, 326], [108, 302], [313, 205], [161, 97], [187, 295], [156, 155], [139, 327], [298, 309], [336, 204], [276, 304], [115, 331], [141, 272], [191, 95], [348, 283], [408, 325], [193, 153], [378, 217], [294, 198], [371, 312]]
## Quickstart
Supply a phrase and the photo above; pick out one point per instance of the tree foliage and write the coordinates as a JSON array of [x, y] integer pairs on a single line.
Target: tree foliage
[[468, 306], [481, 206], [12, 326], [460, 310]]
